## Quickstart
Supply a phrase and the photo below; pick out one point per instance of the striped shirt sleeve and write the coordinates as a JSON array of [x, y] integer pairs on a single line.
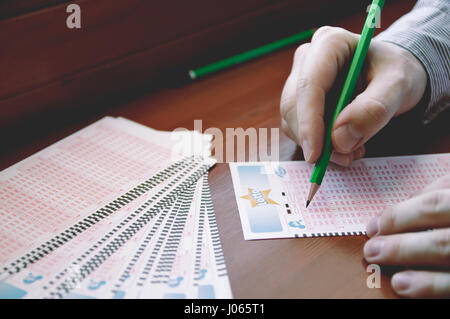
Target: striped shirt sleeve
[[425, 32]]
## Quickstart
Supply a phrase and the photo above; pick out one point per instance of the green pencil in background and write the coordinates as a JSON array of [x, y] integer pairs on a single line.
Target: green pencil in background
[[248, 55], [346, 94]]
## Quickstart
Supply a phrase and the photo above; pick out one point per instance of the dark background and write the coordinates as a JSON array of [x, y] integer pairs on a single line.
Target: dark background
[[51, 74]]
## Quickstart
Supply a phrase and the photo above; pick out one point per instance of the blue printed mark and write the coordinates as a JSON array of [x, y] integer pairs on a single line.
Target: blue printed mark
[[206, 292], [30, 278], [297, 224], [94, 285], [174, 282], [119, 294], [280, 171], [8, 291], [203, 272]]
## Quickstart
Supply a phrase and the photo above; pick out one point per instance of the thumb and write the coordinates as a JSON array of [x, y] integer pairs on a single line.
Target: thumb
[[367, 114]]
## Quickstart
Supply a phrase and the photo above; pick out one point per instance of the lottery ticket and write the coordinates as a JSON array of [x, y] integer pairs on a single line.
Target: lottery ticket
[[70, 263], [179, 255], [271, 196], [198, 270], [48, 192], [69, 212]]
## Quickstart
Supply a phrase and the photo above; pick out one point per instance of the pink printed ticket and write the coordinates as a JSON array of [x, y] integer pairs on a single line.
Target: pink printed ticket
[[271, 196], [116, 210], [80, 179]]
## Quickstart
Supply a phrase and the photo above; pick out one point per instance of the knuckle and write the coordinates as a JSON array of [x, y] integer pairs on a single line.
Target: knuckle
[[300, 51], [303, 83], [442, 245], [327, 32], [376, 111], [400, 80], [322, 31], [307, 123], [388, 221], [401, 77], [395, 251], [306, 84], [431, 202]]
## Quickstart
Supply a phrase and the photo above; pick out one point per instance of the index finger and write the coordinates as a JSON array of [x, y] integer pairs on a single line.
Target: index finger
[[329, 50], [425, 211]]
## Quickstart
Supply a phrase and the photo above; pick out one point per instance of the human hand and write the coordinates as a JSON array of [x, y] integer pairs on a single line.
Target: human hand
[[394, 79], [402, 236]]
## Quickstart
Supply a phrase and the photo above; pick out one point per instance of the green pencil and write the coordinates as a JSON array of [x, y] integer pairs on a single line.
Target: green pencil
[[248, 55], [346, 94]]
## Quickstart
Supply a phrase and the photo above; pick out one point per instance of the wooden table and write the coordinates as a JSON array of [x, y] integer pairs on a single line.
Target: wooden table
[[249, 96]]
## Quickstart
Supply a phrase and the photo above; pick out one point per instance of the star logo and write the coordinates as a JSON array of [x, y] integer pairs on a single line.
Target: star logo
[[259, 198]]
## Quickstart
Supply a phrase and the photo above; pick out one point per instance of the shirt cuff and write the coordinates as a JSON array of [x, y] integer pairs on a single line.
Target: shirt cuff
[[424, 32]]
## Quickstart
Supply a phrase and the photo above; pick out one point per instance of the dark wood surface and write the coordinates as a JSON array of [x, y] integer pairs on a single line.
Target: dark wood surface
[[249, 96], [125, 46]]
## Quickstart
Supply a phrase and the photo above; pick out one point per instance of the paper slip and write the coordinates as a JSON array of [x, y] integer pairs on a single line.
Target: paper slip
[[88, 171], [271, 196], [79, 209], [186, 262]]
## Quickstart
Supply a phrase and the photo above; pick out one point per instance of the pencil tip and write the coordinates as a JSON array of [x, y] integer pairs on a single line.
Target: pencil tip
[[307, 203]]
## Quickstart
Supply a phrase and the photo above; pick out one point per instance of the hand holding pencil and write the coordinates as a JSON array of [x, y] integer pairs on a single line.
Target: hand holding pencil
[[393, 82]]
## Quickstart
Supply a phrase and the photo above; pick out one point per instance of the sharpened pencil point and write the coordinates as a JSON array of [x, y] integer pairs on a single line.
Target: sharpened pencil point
[[313, 189]]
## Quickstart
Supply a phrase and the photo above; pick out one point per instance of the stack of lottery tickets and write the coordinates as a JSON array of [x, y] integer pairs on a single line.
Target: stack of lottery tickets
[[115, 210]]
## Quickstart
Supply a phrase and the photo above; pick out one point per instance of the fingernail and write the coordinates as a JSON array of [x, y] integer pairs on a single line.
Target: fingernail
[[307, 151], [346, 137], [373, 247], [401, 282], [373, 226]]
